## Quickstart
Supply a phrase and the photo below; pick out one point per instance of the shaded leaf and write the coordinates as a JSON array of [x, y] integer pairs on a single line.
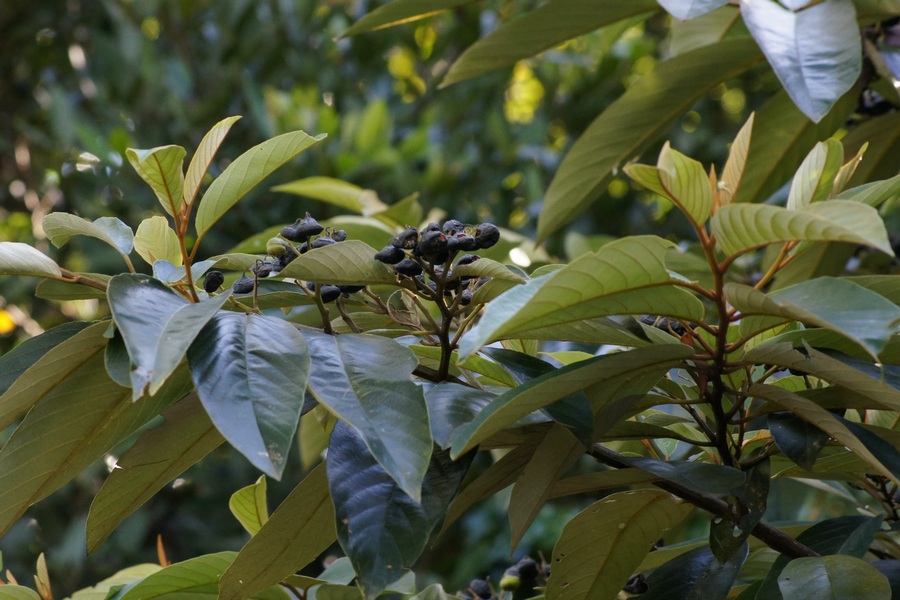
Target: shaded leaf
[[246, 172], [17, 258], [601, 547], [203, 158], [61, 227], [545, 27], [155, 240], [815, 52], [300, 529], [451, 406], [335, 191], [833, 578], [250, 372], [733, 173], [366, 381], [349, 262], [797, 439], [602, 480], [157, 457], [399, 12], [634, 121], [54, 289], [875, 193], [717, 480], [248, 505], [161, 169], [814, 179], [18, 360], [695, 574], [689, 9]]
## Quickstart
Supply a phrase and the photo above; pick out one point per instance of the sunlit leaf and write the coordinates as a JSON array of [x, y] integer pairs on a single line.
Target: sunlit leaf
[[335, 191], [248, 505], [601, 547], [246, 172], [679, 179], [155, 240], [17, 258], [349, 262], [873, 194], [203, 158], [485, 267], [61, 227], [733, 174], [399, 12], [814, 179], [833, 578], [161, 169]]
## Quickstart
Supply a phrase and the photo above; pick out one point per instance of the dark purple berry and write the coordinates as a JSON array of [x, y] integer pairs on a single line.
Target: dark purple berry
[[467, 259], [302, 229], [528, 568], [452, 227], [212, 281], [321, 242], [486, 235], [481, 588], [466, 297], [390, 255], [433, 247], [339, 235], [350, 289], [408, 267], [406, 240], [431, 227], [244, 285], [263, 269], [330, 293], [282, 261], [466, 242]]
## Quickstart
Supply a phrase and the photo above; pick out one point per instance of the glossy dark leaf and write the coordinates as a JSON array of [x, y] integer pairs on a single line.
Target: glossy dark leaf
[[381, 529], [797, 439], [833, 578], [695, 574], [250, 372], [450, 406], [717, 480]]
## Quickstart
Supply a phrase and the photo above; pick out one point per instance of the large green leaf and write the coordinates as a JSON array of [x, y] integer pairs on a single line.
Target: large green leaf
[[875, 193], [634, 121], [106, 588], [25, 355], [155, 240], [300, 529], [366, 381], [742, 227], [246, 172], [704, 30], [816, 52], [161, 169], [733, 173], [85, 413], [18, 592], [337, 192], [680, 179], [203, 158], [601, 547], [349, 262], [383, 530], [815, 177], [61, 227], [545, 27], [628, 276], [248, 505], [157, 457], [250, 372], [881, 135], [451, 406], [797, 439], [695, 574], [17, 258], [716, 480], [833, 578], [399, 12], [836, 304], [541, 391]]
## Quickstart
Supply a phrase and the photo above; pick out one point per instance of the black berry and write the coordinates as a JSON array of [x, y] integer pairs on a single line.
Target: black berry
[[481, 588], [408, 267], [390, 255], [406, 240], [452, 227], [330, 293], [212, 281], [486, 235], [244, 285], [433, 247], [302, 229]]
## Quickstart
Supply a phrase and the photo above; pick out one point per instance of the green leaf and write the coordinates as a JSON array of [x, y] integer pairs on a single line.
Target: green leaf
[[434, 591], [875, 193], [833, 578], [337, 192], [634, 121], [689, 9], [248, 505], [881, 139], [541, 391], [704, 30], [161, 169], [203, 158], [18, 592], [349, 262], [399, 12], [742, 227], [822, 419], [17, 258], [816, 52], [85, 413], [836, 304], [679, 179], [246, 172], [602, 480], [797, 439], [383, 530], [451, 406], [716, 480], [250, 372], [541, 29], [627, 276], [366, 381], [300, 529], [556, 453], [18, 360], [54, 289], [815, 177], [115, 584], [61, 227], [157, 457], [600, 547], [485, 267], [695, 574], [404, 212], [155, 240], [733, 173]]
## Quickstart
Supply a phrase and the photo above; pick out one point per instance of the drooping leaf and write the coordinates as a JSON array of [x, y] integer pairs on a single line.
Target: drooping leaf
[[679, 179], [797, 439], [689, 9], [366, 381], [203, 158], [245, 172], [741, 227], [399, 12], [61, 227], [18, 360], [248, 505], [383, 530], [695, 574], [161, 169], [814, 179], [875, 193], [545, 27], [816, 52], [628, 276], [733, 173], [634, 120], [17, 258], [833, 578], [839, 305], [544, 390], [349, 262], [337, 192], [600, 547], [85, 413], [300, 529], [556, 453], [158, 457], [250, 372], [155, 240]]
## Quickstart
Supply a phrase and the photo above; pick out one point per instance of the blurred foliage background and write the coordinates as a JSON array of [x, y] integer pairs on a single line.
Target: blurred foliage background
[[82, 81]]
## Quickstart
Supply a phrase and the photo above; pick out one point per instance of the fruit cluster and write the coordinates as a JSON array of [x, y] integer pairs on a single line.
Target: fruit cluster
[[524, 574]]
